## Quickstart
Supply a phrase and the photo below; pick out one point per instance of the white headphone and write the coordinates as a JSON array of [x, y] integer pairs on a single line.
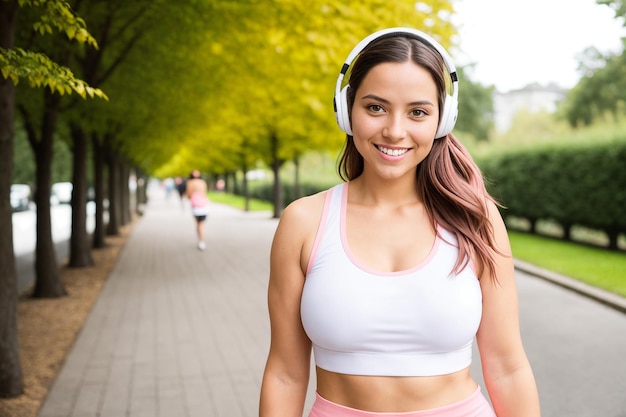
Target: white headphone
[[450, 103]]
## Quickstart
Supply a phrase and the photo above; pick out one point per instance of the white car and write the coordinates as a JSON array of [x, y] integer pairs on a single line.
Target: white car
[[20, 197], [61, 192]]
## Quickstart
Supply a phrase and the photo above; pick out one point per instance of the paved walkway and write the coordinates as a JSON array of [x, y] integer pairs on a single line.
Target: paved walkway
[[178, 332], [175, 332]]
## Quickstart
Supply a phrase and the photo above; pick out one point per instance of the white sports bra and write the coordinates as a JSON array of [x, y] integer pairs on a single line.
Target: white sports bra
[[418, 322]]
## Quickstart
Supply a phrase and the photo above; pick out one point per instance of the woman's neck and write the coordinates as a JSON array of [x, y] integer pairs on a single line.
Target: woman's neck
[[378, 192]]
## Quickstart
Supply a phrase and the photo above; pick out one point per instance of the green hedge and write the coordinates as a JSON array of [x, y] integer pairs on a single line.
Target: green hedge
[[570, 183], [265, 191]]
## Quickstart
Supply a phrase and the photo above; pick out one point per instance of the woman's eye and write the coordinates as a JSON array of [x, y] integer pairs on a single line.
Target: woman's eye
[[375, 108], [418, 113]]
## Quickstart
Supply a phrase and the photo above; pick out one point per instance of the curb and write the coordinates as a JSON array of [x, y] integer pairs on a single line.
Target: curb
[[607, 298]]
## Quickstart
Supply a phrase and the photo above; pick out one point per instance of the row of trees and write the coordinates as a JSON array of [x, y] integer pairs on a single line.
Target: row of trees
[[38, 70]]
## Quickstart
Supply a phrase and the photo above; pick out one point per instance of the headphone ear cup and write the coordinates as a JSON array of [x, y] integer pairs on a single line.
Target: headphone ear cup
[[343, 117], [448, 118]]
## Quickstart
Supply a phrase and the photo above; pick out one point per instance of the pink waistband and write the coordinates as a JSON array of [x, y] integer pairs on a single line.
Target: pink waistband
[[475, 405]]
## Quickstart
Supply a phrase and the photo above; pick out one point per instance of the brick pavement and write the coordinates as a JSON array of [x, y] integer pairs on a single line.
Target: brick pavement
[[175, 332]]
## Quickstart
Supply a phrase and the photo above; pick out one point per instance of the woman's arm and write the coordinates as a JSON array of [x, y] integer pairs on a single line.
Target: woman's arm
[[287, 370], [506, 370]]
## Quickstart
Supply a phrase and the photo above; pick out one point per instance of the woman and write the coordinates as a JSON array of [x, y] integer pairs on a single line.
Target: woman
[[390, 276], [195, 190]]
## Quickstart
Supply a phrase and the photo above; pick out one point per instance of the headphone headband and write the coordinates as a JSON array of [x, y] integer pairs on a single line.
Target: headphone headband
[[450, 108]]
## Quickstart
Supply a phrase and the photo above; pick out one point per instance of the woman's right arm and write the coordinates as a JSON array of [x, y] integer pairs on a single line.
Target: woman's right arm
[[287, 370]]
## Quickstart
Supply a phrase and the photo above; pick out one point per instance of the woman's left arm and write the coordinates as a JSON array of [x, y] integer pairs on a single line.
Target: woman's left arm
[[508, 376]]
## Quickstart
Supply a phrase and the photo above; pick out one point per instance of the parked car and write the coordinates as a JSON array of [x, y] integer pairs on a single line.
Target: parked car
[[62, 192], [20, 197]]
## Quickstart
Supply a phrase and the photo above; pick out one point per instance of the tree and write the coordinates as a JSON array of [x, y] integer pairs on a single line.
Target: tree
[[158, 84], [39, 71], [601, 88], [599, 92], [280, 83], [10, 371], [116, 26], [476, 113], [39, 111]]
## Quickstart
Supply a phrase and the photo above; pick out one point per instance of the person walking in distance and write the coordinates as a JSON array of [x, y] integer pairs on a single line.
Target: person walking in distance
[[196, 190], [390, 276], [181, 186]]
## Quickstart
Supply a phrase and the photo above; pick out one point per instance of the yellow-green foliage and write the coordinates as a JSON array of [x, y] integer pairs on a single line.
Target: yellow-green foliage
[[41, 71]]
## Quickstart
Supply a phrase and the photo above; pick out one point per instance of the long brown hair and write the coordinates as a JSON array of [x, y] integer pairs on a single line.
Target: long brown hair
[[448, 180]]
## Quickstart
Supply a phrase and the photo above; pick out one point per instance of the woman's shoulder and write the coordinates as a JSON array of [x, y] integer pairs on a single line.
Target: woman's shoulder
[[305, 208], [302, 216], [298, 224]]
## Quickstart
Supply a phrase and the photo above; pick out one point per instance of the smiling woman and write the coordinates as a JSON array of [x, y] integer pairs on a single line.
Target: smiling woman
[[389, 277]]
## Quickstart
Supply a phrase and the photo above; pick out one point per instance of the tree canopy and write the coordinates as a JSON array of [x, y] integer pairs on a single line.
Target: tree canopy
[[218, 85], [214, 85], [36, 67], [600, 91]]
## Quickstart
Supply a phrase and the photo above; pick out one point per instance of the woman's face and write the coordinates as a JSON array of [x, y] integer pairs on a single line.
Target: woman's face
[[394, 118]]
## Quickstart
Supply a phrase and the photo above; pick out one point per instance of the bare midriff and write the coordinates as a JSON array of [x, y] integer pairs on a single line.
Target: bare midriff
[[392, 394]]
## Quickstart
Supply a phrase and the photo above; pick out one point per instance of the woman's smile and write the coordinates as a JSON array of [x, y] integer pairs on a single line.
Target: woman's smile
[[392, 152]]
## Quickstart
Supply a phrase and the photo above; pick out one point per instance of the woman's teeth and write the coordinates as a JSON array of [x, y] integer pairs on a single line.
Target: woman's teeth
[[392, 152]]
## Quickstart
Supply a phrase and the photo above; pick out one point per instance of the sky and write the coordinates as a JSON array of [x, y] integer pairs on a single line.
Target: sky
[[514, 43]]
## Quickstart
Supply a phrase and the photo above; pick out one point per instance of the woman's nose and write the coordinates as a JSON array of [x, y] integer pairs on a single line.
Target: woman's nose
[[395, 128]]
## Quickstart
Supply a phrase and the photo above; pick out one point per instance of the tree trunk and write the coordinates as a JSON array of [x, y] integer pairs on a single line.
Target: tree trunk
[[567, 231], [245, 190], [11, 380], [141, 193], [613, 235], [98, 167], [47, 278], [114, 217], [124, 193], [234, 186], [144, 190], [80, 247], [278, 188], [297, 192]]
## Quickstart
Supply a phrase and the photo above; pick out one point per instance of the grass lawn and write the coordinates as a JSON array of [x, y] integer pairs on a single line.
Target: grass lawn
[[594, 266], [239, 202]]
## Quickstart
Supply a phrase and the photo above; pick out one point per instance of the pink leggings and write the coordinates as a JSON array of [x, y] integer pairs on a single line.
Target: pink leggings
[[475, 405]]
